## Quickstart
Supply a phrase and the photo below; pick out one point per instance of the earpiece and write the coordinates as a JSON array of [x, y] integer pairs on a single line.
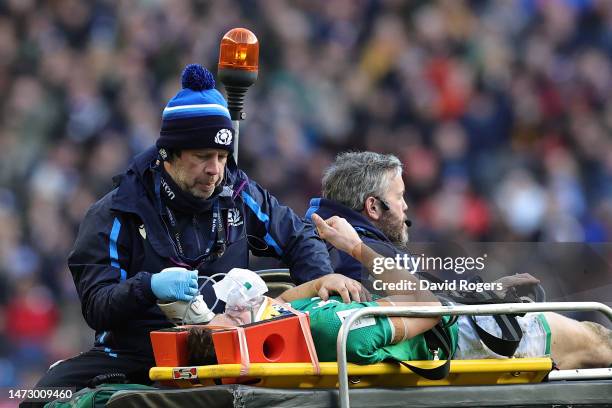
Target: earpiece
[[386, 207]]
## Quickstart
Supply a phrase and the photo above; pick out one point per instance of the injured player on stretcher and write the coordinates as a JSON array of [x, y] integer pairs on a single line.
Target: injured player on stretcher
[[570, 343]]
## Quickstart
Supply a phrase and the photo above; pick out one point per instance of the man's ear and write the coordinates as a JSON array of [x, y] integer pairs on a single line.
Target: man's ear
[[168, 166], [371, 209]]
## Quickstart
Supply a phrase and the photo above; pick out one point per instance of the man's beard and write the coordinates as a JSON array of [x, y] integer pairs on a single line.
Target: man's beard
[[181, 181], [395, 230]]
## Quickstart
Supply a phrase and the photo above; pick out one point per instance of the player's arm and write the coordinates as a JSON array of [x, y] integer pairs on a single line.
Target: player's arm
[[338, 232], [322, 287]]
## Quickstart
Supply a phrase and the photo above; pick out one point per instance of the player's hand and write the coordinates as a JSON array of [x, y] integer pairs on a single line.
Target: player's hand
[[516, 281], [349, 289], [338, 232], [172, 284]]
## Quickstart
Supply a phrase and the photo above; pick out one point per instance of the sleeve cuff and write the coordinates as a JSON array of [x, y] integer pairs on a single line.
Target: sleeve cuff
[[144, 288]]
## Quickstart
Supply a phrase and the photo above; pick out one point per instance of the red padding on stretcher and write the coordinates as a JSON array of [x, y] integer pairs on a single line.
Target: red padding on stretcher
[[278, 340], [170, 347]]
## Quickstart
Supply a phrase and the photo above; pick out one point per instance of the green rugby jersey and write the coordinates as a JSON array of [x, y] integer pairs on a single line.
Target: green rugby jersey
[[369, 341]]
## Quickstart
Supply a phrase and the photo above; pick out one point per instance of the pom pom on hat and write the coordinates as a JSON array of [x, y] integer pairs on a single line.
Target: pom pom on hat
[[197, 78], [197, 116]]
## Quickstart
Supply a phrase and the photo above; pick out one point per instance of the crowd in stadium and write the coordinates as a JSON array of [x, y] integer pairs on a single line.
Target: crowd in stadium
[[500, 112]]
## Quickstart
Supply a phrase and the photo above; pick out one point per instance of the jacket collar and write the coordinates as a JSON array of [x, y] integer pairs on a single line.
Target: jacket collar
[[135, 193], [136, 183], [328, 208]]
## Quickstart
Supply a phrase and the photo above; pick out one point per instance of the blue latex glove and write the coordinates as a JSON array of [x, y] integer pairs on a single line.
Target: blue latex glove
[[172, 284]]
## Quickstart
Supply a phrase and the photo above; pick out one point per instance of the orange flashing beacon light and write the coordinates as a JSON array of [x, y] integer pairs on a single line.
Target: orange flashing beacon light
[[239, 50]]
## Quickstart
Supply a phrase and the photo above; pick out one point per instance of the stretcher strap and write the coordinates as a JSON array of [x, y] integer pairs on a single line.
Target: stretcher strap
[[512, 334], [244, 351], [304, 324], [438, 339], [245, 362]]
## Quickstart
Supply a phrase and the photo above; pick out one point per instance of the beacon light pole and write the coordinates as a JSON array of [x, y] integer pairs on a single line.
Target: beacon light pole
[[237, 70]]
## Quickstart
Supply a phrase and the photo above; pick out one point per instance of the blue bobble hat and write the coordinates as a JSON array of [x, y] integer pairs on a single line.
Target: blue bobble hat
[[197, 116]]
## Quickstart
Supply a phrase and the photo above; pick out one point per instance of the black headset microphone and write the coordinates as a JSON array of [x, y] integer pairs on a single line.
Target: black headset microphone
[[386, 207]]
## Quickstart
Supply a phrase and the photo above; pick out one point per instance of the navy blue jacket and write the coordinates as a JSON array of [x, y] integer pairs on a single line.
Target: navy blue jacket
[[123, 240], [342, 262]]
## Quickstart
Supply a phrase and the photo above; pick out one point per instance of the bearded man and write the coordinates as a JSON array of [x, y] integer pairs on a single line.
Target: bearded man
[[367, 190]]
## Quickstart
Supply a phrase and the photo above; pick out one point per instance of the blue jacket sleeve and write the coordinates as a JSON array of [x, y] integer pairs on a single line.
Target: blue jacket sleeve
[[284, 235], [110, 296]]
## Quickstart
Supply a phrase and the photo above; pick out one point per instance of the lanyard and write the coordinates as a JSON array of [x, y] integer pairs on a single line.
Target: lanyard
[[216, 236]]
